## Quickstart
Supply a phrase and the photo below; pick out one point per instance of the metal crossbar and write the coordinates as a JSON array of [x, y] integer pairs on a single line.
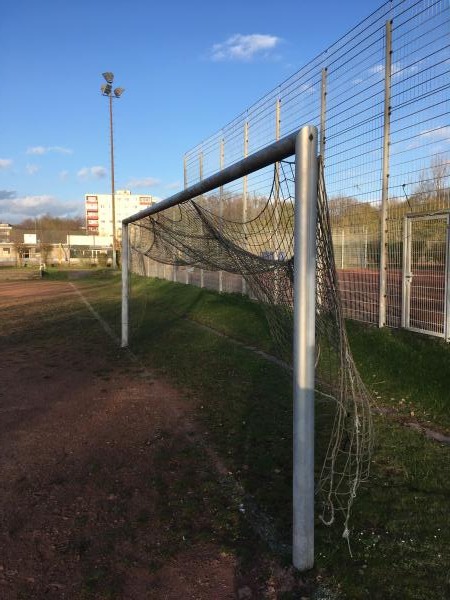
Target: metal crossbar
[[257, 161]]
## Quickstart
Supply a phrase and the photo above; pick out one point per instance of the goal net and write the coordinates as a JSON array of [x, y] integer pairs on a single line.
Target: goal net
[[198, 234]]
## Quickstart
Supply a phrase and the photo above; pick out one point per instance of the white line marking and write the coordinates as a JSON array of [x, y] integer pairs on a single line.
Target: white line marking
[[102, 322]]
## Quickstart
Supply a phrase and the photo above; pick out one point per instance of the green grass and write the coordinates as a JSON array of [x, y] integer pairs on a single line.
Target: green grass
[[74, 272], [400, 539], [406, 371]]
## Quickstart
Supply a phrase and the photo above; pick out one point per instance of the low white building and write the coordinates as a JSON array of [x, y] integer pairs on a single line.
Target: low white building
[[98, 209], [20, 248]]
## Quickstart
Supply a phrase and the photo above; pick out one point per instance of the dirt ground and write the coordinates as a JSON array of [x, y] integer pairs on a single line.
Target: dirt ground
[[105, 491]]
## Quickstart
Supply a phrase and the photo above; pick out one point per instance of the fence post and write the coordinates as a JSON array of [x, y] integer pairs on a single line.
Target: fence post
[[244, 200], [365, 247], [385, 175], [406, 276], [447, 283], [200, 177], [323, 113], [222, 163], [277, 179], [185, 186], [276, 189], [306, 176], [125, 285]]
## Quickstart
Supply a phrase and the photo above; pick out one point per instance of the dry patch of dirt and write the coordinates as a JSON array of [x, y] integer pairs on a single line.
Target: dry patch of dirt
[[105, 492]]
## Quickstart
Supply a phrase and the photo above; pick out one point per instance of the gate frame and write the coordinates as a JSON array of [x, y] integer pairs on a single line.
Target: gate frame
[[407, 276]]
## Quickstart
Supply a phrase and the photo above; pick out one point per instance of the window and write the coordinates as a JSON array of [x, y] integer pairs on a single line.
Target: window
[[6, 250]]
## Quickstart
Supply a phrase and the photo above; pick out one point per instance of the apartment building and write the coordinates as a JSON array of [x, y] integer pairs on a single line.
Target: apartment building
[[98, 209]]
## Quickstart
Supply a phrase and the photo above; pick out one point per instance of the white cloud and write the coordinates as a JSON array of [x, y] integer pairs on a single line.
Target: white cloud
[[5, 163], [397, 70], [17, 209], [376, 69], [39, 150], [32, 201], [307, 88], [92, 173], [98, 172], [60, 150], [439, 133], [244, 47], [36, 150], [32, 169], [144, 182]]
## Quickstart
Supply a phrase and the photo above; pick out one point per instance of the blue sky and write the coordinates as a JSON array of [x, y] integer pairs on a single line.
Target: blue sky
[[188, 68]]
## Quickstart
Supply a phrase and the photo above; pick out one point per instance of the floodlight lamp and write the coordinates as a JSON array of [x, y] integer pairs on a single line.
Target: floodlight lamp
[[118, 92], [106, 89], [109, 77]]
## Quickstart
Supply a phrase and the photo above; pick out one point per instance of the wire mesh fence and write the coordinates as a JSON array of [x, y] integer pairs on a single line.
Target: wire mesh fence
[[380, 99]]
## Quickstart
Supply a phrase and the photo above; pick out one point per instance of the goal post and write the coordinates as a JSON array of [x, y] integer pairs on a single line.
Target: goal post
[[304, 145], [125, 257], [305, 226]]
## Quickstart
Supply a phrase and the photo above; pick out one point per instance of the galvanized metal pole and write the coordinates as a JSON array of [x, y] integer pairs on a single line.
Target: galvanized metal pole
[[125, 285], [323, 113], [113, 191], [222, 163], [185, 186], [174, 270], [365, 247], [406, 283], [277, 236], [200, 177], [447, 283], [185, 179], [244, 200], [306, 176], [277, 181], [385, 175]]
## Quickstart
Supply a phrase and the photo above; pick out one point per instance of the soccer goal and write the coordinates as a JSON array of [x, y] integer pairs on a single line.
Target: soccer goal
[[283, 250]]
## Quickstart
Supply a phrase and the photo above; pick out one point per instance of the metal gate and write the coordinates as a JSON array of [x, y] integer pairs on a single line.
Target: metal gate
[[426, 252]]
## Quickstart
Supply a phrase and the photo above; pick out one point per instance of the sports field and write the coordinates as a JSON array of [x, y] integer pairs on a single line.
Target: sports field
[[166, 473], [81, 432], [108, 488]]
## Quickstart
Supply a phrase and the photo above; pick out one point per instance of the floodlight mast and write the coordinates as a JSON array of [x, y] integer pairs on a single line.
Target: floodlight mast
[[108, 92]]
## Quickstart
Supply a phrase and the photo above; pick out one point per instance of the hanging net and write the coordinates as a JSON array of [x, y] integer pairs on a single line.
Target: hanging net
[[261, 249]]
